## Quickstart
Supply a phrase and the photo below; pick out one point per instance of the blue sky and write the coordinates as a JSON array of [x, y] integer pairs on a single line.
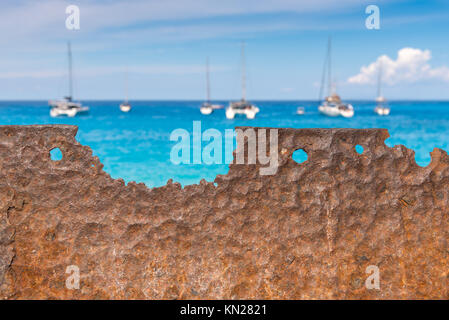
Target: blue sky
[[164, 45]]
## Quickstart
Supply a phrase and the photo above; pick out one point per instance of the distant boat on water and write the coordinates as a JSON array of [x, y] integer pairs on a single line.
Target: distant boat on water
[[242, 107], [300, 111], [382, 108], [207, 107], [67, 107], [332, 105], [125, 106]]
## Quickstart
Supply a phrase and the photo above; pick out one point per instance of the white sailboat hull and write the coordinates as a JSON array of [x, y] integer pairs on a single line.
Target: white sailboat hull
[[67, 112], [382, 111], [300, 111], [125, 107], [336, 111], [206, 110], [349, 113], [329, 111], [250, 112]]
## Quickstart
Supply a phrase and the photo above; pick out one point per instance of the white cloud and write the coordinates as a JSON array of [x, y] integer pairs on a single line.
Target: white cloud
[[411, 65]]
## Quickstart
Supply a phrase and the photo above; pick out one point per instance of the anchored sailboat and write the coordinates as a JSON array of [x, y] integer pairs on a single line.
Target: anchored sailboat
[[332, 105], [381, 109], [300, 111], [242, 107], [67, 107], [125, 106], [207, 107]]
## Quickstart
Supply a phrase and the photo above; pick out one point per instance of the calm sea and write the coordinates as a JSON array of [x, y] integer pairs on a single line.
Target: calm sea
[[136, 146]]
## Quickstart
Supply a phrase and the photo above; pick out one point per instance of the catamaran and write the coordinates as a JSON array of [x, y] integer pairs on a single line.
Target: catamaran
[[332, 105], [242, 107], [207, 107], [382, 108], [125, 106], [67, 107]]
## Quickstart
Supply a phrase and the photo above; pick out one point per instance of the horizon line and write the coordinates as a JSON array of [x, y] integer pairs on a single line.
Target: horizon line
[[223, 100]]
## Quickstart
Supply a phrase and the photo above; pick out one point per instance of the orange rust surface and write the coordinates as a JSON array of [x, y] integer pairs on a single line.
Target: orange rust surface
[[310, 231]]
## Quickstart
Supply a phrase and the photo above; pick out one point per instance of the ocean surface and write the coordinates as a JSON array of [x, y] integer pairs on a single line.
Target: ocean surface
[[136, 146]]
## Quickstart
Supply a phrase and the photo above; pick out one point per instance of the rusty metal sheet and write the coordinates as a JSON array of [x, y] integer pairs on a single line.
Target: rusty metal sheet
[[309, 231]]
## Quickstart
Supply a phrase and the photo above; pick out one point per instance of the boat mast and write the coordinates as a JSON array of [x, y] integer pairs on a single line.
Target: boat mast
[[243, 73], [329, 70], [379, 80], [126, 84], [323, 75], [207, 80], [70, 71]]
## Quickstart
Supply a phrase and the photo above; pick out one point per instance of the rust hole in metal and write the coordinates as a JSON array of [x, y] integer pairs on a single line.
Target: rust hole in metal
[[56, 154], [300, 156], [359, 149]]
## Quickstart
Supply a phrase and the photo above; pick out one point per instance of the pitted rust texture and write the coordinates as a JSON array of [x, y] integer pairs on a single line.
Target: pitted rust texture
[[310, 231]]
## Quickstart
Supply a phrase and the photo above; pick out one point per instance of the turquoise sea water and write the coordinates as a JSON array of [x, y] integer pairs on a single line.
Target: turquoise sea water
[[136, 146]]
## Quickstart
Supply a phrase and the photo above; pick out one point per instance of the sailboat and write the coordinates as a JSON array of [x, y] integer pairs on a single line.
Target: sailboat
[[332, 105], [242, 107], [67, 107], [381, 109], [125, 106], [207, 107], [300, 111]]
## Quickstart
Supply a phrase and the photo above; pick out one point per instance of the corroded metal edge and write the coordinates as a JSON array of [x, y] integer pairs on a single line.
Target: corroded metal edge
[[310, 231]]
